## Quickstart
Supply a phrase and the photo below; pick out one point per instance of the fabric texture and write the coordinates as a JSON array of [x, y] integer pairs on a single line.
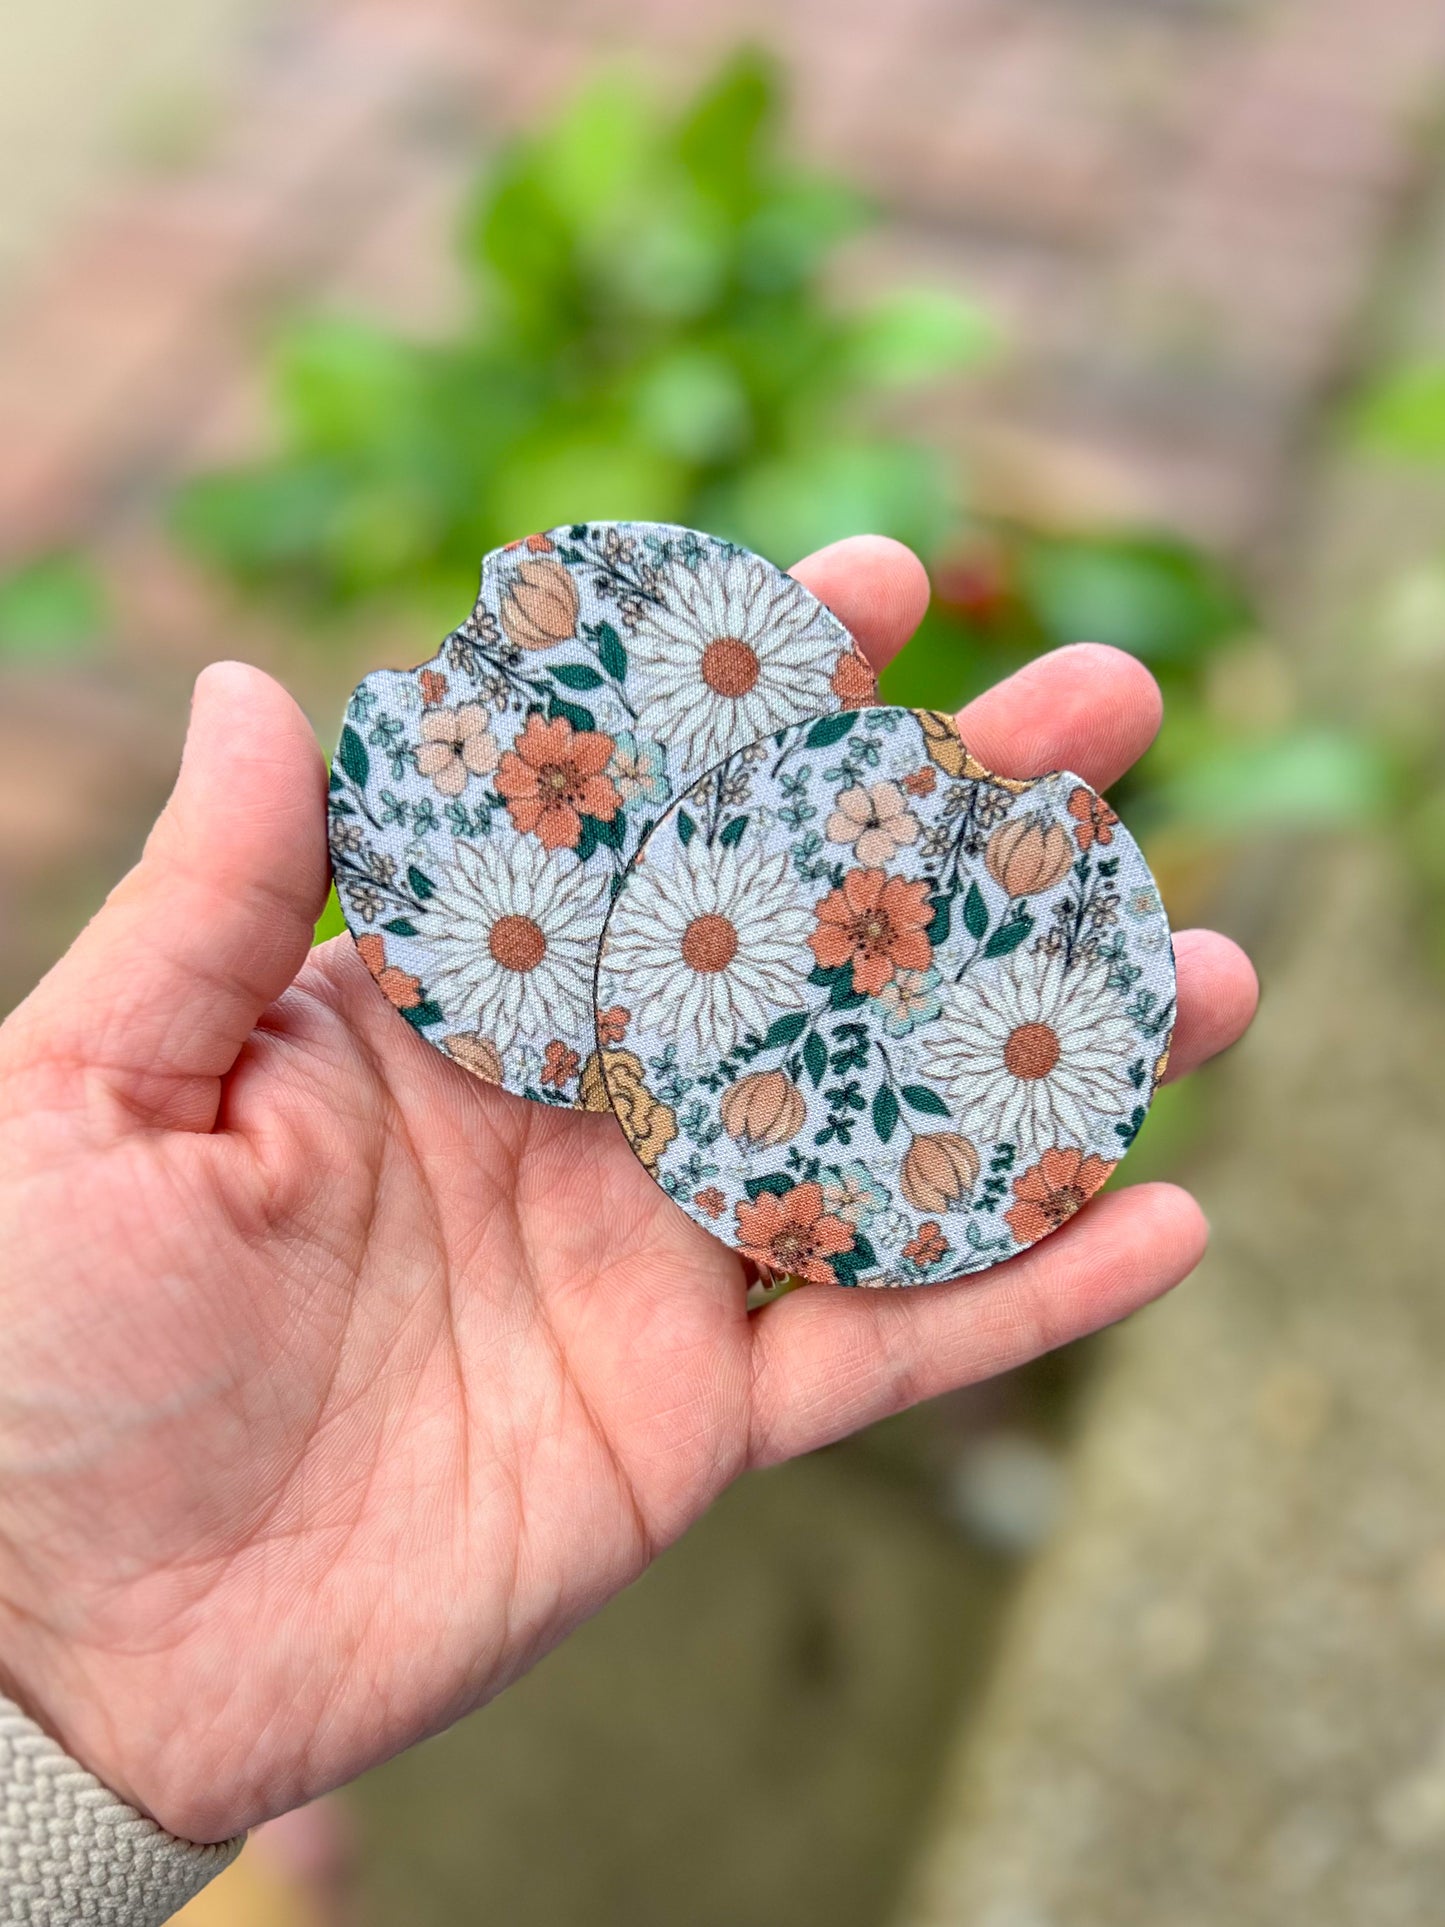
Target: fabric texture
[[874, 1016], [72, 1853], [484, 806]]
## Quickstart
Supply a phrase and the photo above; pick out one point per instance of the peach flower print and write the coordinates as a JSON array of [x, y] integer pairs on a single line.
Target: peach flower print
[[711, 1201], [396, 985], [552, 777], [929, 1246], [560, 1064], [612, 1024], [1051, 1191], [456, 744], [852, 680], [875, 819], [1094, 820], [877, 923], [792, 1234]]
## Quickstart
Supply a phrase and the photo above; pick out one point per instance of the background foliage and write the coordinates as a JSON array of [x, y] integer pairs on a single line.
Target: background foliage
[[651, 330]]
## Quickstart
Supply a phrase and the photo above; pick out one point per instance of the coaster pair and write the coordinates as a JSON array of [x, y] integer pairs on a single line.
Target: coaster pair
[[639, 838]]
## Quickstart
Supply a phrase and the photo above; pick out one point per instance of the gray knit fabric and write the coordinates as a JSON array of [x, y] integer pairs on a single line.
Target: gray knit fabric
[[71, 1853]]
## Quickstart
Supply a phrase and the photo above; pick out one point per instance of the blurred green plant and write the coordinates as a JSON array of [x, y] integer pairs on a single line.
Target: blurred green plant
[[646, 335], [1400, 419], [649, 331], [1403, 414], [53, 606]]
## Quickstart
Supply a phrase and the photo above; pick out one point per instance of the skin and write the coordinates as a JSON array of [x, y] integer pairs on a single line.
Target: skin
[[337, 1388]]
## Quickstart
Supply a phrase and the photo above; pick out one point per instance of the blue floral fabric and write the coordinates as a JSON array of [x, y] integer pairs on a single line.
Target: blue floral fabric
[[484, 807], [875, 1016]]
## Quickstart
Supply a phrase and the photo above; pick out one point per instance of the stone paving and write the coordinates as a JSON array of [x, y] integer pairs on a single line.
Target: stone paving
[[1181, 212], [1220, 1696]]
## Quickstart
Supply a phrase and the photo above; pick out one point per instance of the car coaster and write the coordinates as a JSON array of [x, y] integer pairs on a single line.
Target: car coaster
[[484, 807], [875, 1016]]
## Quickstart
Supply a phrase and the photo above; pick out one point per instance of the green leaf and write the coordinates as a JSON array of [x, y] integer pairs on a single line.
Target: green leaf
[[778, 1182], [815, 1058], [830, 729], [723, 134], [419, 883], [686, 828], [786, 1030], [920, 1098], [917, 334], [51, 607], [693, 405], [1155, 596], [400, 927], [576, 675], [1008, 936], [731, 833], [598, 832], [353, 758], [794, 503], [581, 719], [863, 1257], [422, 1015], [885, 1112], [610, 652], [271, 523], [843, 995], [1306, 779], [1404, 415], [975, 912]]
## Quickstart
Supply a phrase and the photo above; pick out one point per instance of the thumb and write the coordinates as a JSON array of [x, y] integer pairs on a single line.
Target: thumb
[[155, 999]]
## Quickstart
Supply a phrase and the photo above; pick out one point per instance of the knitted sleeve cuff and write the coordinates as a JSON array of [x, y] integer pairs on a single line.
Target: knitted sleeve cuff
[[72, 1852]]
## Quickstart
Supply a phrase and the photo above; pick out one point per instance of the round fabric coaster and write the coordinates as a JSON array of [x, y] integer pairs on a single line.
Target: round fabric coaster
[[485, 805], [875, 1016]]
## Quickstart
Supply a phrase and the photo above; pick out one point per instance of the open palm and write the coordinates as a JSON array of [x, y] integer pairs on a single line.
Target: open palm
[[337, 1387]]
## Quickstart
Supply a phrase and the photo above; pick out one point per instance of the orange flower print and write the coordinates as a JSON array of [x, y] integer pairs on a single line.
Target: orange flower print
[[612, 1024], [1094, 819], [929, 1246], [921, 782], [792, 1234], [552, 777], [396, 986], [433, 686], [560, 1064], [711, 1201], [852, 680], [534, 545], [1051, 1191], [875, 922]]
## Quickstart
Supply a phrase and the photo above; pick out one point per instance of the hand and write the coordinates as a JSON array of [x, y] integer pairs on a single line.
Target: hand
[[336, 1386]]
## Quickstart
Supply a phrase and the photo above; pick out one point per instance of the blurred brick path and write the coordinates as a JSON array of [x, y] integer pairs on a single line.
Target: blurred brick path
[[1177, 210]]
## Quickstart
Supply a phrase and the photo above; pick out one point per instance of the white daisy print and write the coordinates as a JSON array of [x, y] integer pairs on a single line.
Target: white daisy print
[[1034, 1053], [512, 933], [710, 949], [735, 651]]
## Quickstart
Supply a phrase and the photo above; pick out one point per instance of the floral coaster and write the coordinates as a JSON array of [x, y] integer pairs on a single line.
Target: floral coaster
[[875, 1016], [484, 807]]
